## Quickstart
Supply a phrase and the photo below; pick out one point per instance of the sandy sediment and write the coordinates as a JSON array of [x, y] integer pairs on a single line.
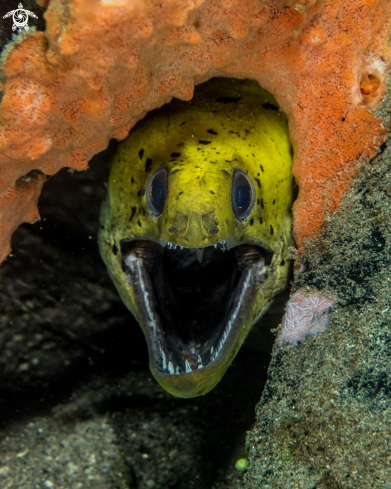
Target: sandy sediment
[[323, 419]]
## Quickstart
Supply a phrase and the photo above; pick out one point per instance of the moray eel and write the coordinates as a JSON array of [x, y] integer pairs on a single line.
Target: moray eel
[[196, 225]]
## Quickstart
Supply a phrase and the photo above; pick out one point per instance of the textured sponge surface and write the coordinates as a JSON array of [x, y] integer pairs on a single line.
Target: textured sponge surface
[[100, 66]]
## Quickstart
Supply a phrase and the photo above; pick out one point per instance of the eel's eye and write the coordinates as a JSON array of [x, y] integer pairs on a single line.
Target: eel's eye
[[243, 194], [156, 190]]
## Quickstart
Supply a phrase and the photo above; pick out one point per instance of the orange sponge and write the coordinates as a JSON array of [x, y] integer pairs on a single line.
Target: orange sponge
[[102, 64]]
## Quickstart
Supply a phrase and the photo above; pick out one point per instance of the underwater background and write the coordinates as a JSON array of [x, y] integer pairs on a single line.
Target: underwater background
[[79, 407]]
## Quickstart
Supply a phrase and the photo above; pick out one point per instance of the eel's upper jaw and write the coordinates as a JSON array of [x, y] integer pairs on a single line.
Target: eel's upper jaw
[[192, 305]]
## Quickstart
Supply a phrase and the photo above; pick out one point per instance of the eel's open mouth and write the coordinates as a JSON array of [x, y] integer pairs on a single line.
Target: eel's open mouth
[[191, 301]]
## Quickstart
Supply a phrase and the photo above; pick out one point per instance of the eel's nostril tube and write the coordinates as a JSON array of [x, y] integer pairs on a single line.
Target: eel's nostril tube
[[173, 229], [213, 230]]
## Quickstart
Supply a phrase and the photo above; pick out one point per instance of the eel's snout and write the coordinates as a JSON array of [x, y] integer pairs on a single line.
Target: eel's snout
[[194, 229]]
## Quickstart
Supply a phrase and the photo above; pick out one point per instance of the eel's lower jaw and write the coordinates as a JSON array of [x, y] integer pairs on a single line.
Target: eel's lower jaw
[[189, 359]]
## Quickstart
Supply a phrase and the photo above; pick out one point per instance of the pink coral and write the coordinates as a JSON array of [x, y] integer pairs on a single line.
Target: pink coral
[[307, 313]]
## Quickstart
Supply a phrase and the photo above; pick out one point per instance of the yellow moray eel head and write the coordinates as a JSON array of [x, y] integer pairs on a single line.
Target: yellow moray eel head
[[196, 225]]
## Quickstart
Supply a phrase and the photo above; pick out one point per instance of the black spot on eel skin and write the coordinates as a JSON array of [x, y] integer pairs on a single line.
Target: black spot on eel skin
[[269, 106], [148, 164], [134, 210]]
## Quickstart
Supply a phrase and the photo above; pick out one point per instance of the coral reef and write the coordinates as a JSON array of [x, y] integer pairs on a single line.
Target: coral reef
[[101, 65]]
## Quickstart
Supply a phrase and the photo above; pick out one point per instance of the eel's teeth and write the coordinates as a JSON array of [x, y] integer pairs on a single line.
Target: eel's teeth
[[171, 368], [164, 360], [187, 365], [222, 245], [200, 252], [212, 350], [177, 370], [200, 365], [171, 246]]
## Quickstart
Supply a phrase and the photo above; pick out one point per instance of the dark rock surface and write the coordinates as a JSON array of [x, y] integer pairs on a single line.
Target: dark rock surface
[[323, 421], [78, 406]]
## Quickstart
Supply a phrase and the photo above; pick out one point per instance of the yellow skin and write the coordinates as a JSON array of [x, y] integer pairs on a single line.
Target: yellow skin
[[228, 125]]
